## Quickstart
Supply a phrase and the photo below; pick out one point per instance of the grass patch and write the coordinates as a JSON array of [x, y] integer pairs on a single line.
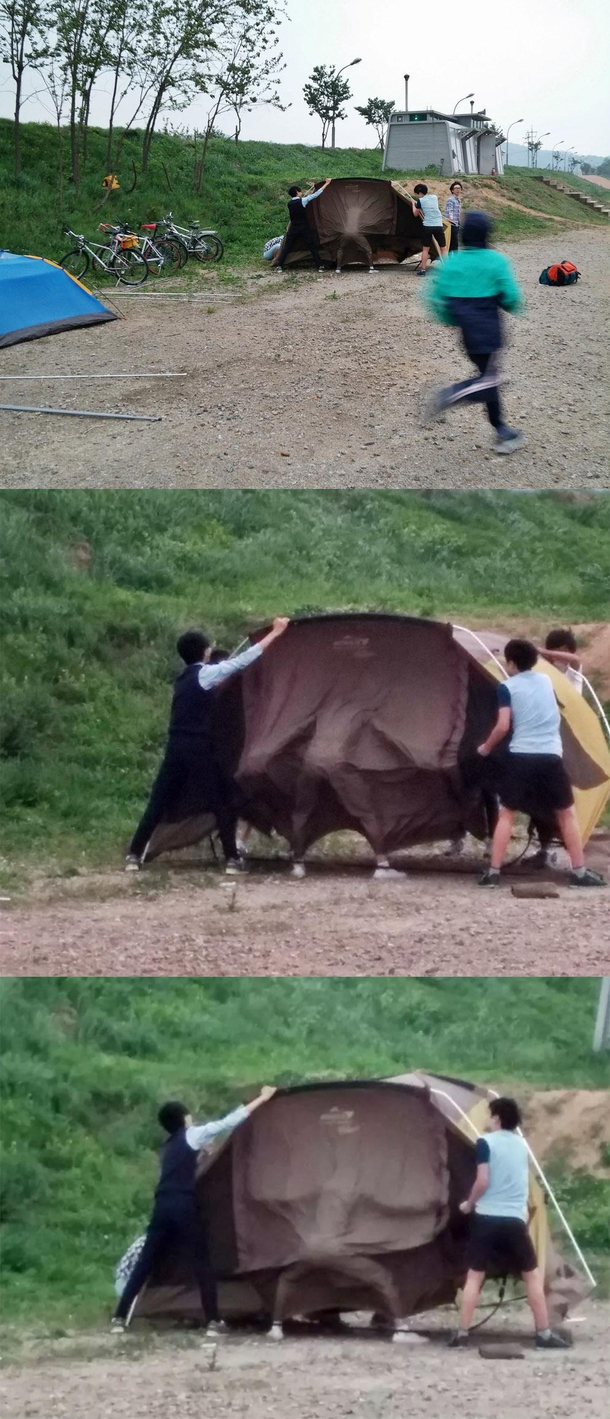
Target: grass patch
[[97, 585], [87, 1061]]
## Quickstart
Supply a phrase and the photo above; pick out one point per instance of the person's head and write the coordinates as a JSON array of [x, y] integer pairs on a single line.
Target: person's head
[[476, 229], [295, 191], [173, 1116], [217, 654], [421, 189], [520, 655], [561, 639], [192, 646], [456, 189], [504, 1113]]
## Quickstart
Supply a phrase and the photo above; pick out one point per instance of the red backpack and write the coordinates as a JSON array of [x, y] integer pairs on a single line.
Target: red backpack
[[564, 273]]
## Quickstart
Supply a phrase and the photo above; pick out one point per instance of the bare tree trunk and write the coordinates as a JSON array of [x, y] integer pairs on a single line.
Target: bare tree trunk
[[18, 124], [202, 161], [60, 165], [112, 109], [74, 137]]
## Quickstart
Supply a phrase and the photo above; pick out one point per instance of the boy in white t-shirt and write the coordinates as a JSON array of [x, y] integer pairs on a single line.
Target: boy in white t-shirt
[[533, 777]]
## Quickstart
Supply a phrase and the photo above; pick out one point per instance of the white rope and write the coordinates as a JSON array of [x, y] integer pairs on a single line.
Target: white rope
[[598, 705], [467, 632]]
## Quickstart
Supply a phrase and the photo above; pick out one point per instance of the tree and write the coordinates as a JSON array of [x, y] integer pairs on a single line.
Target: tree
[[177, 46], [556, 158], [325, 93], [376, 113], [255, 64], [586, 168], [573, 162], [604, 168], [21, 22]]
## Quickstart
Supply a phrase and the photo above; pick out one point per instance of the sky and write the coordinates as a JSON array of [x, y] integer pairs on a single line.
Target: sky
[[546, 61]]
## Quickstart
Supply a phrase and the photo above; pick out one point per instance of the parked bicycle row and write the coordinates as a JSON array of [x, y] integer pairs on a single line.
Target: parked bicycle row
[[164, 249]]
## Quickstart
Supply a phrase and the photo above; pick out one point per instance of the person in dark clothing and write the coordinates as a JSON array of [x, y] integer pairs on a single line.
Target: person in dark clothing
[[471, 291], [299, 229], [189, 762], [175, 1222]]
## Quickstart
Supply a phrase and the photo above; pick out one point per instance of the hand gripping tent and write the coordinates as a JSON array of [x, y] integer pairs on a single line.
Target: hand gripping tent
[[39, 298], [345, 1197], [353, 208], [371, 723]]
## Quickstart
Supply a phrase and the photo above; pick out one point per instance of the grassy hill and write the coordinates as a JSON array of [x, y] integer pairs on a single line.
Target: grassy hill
[[86, 1063], [97, 585], [244, 194]]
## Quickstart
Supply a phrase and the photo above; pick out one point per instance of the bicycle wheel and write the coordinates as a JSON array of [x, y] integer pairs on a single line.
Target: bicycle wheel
[[173, 253], [130, 267], [208, 248], [76, 262]]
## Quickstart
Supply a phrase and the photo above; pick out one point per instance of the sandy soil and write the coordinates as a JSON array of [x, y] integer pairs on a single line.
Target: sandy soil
[[303, 380], [181, 920], [571, 1124], [321, 1378]]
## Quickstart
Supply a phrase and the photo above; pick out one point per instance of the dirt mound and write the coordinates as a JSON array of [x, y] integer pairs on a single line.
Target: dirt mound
[[571, 1125]]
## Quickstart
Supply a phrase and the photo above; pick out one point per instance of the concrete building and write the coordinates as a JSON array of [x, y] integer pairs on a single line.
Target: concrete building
[[454, 143]]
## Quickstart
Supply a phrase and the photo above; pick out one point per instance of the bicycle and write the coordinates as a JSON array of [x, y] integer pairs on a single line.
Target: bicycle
[[165, 253], [200, 242], [120, 257]]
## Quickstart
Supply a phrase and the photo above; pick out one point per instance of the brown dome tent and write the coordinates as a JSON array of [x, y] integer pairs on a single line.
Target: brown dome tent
[[345, 1197], [371, 723], [351, 208]]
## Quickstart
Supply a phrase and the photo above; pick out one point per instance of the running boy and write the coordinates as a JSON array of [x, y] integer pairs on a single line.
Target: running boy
[[189, 753], [499, 1238], [175, 1223], [471, 292], [428, 209], [453, 209], [533, 779], [299, 228]]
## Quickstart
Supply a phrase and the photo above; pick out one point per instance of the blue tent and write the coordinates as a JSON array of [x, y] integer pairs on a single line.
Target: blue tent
[[39, 298]]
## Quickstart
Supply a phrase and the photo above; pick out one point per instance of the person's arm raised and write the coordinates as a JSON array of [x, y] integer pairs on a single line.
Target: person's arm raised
[[198, 1135], [210, 675]]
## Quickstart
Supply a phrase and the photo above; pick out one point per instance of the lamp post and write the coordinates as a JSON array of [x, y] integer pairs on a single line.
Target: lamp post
[[565, 159], [538, 138], [337, 73], [511, 125], [554, 148], [463, 100]]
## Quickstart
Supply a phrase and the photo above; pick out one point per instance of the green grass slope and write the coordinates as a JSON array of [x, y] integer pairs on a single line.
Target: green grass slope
[[97, 585], [244, 194], [86, 1063]]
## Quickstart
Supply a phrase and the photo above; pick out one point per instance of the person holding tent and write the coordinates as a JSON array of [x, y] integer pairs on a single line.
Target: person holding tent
[[426, 206], [532, 777], [471, 291], [175, 1221], [499, 1237], [299, 228], [189, 754]]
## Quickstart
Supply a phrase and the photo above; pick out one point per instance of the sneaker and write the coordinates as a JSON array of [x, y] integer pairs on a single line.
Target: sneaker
[[372, 270], [298, 870], [551, 1342], [132, 863], [420, 271], [489, 879], [459, 1340], [388, 874], [234, 867], [508, 440], [587, 879], [337, 270], [117, 1326], [216, 1328]]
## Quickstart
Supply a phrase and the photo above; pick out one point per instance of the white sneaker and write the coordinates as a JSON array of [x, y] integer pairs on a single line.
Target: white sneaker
[[117, 1326], [298, 870], [276, 1332], [337, 270], [372, 271], [234, 867], [215, 1328], [388, 874], [132, 863]]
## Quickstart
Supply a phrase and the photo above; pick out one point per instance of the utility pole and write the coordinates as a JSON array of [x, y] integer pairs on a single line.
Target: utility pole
[[601, 1035]]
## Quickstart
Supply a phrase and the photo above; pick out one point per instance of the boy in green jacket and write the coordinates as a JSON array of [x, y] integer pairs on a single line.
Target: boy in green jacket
[[470, 290]]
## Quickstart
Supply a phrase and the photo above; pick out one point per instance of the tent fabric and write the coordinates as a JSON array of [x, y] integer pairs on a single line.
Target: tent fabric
[[39, 298], [371, 723], [352, 208], [345, 1196]]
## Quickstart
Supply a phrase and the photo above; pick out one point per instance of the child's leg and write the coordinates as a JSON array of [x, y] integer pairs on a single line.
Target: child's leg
[[501, 837], [470, 1297], [536, 1299], [425, 253], [571, 835], [489, 395]]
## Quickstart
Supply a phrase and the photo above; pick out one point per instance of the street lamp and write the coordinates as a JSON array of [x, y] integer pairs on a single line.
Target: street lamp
[[337, 73], [565, 161], [554, 148], [538, 139], [466, 96], [511, 125]]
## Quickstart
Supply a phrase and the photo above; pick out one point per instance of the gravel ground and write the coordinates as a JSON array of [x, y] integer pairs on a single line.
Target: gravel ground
[[338, 921], [322, 1378], [318, 381]]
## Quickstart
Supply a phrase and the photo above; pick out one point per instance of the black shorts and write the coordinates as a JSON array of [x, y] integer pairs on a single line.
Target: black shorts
[[501, 1245], [429, 232], [536, 784]]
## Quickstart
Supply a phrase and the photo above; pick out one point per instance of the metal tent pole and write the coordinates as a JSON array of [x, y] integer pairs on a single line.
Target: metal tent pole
[[467, 632]]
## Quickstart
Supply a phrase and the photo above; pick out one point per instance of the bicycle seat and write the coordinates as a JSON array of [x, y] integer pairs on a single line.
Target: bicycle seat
[[148, 226]]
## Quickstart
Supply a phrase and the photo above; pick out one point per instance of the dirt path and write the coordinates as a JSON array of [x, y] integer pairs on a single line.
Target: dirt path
[[436, 921], [322, 1378], [300, 381]]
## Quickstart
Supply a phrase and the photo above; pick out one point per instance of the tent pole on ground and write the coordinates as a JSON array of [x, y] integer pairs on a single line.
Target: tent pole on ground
[[179, 374], [79, 413]]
